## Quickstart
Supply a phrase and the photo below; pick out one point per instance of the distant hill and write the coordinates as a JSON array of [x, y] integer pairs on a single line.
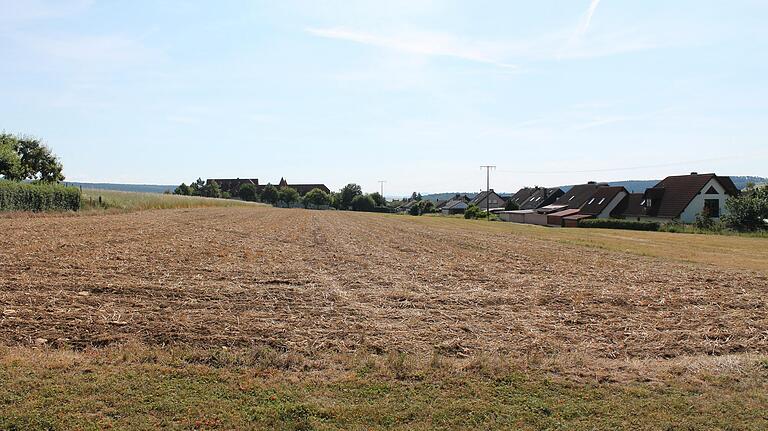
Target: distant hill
[[633, 186], [143, 188]]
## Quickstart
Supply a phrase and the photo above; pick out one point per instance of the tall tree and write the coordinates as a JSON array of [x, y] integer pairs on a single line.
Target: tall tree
[[33, 161], [346, 194]]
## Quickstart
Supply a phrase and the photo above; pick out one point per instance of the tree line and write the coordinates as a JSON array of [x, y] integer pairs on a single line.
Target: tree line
[[349, 197]]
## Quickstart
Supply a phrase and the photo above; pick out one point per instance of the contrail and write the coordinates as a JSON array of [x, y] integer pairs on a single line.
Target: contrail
[[588, 19], [581, 30]]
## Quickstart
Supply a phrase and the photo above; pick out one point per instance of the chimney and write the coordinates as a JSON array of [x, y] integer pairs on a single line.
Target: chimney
[[591, 182], [694, 173]]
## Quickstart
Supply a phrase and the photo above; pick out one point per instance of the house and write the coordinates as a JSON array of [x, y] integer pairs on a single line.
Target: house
[[521, 195], [541, 197], [457, 205], [232, 185], [488, 199], [579, 194], [603, 201], [683, 197], [631, 207]]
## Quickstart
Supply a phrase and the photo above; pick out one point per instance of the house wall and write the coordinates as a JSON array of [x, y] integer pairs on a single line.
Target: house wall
[[495, 201], [606, 213], [697, 204], [536, 218], [513, 217]]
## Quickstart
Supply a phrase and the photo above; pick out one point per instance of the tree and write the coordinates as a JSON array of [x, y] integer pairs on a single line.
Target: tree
[[248, 192], [288, 195], [416, 196], [378, 199], [414, 210], [183, 189], [511, 205], [196, 188], [211, 190], [10, 162], [33, 161], [270, 194], [317, 198], [346, 194], [748, 211], [363, 203]]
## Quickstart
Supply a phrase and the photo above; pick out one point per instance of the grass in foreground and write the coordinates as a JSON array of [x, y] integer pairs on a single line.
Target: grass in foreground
[[134, 201], [139, 388]]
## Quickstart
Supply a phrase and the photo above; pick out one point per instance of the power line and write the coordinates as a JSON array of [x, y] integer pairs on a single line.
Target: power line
[[662, 165]]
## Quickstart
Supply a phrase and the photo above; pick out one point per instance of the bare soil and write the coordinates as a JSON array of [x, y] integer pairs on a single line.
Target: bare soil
[[319, 281]]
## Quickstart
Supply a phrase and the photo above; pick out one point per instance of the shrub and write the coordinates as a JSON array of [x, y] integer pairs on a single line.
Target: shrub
[[248, 193], [211, 190], [426, 207], [472, 212], [38, 197], [609, 223], [317, 198], [288, 196], [270, 194], [183, 190], [347, 194], [747, 211], [363, 203]]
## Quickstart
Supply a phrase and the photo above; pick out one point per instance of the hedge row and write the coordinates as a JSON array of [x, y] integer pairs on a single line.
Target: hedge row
[[610, 223], [16, 196]]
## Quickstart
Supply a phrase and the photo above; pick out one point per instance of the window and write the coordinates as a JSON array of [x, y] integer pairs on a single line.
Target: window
[[571, 198], [601, 201], [591, 201], [712, 191], [712, 207]]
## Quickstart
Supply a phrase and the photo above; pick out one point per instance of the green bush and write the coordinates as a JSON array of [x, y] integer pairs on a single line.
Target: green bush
[[609, 223], [15, 196], [363, 203], [472, 211]]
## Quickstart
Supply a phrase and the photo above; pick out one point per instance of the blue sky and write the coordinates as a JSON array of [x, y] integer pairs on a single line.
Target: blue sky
[[417, 93]]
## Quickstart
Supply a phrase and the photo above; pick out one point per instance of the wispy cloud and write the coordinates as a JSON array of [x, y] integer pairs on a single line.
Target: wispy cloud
[[427, 44]]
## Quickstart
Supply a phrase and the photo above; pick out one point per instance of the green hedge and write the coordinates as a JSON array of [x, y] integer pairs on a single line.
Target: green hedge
[[610, 223], [16, 196]]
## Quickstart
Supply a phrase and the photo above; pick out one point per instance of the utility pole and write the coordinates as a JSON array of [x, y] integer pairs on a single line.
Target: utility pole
[[381, 183], [487, 189]]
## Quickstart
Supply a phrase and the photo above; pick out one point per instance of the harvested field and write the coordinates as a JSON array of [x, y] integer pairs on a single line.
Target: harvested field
[[315, 283]]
